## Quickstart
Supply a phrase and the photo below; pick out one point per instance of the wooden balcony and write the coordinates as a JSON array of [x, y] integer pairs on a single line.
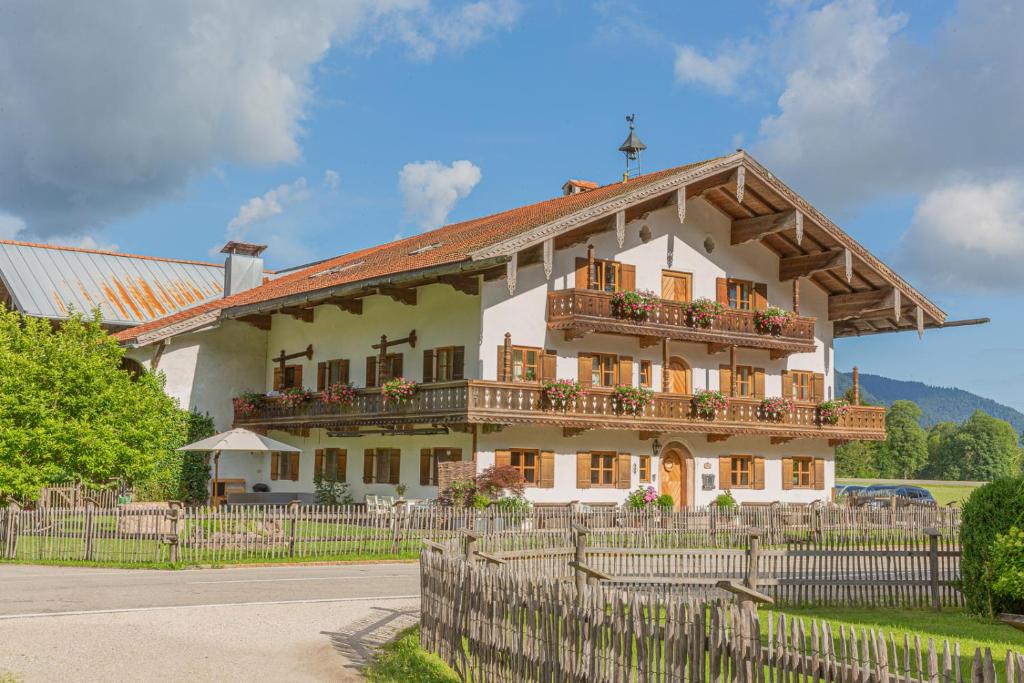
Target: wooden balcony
[[581, 311], [496, 403]]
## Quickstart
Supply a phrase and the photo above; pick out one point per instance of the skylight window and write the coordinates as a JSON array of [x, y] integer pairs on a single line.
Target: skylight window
[[336, 269], [425, 249]]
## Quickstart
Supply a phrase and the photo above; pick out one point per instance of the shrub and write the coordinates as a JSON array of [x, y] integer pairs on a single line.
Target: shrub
[[665, 501], [495, 481], [703, 312], [992, 509], [398, 391], [725, 501], [513, 506], [773, 320], [706, 404], [1008, 566], [330, 491], [642, 498], [632, 400], [562, 393], [459, 494], [636, 306]]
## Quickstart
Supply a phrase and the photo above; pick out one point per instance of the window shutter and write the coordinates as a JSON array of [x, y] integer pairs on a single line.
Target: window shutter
[[342, 464], [368, 466], [724, 378], [298, 376], [395, 465], [583, 470], [318, 462], [760, 296], [627, 282], [586, 369], [343, 371], [502, 458], [428, 366], [819, 474], [725, 472], [758, 383], [459, 362], [321, 376], [425, 467], [547, 470], [582, 273], [787, 384], [623, 470], [371, 371], [500, 374], [549, 365], [275, 466], [626, 370], [668, 286], [278, 379], [396, 365], [722, 291], [759, 473], [787, 474], [818, 393], [294, 466]]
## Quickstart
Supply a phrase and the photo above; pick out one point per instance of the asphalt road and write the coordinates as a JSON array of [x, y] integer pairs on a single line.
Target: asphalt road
[[277, 623]]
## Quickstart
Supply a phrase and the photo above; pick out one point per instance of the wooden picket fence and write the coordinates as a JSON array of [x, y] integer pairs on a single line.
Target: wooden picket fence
[[75, 496], [492, 622]]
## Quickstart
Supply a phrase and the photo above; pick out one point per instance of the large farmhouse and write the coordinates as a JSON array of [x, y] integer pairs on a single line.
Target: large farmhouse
[[483, 314]]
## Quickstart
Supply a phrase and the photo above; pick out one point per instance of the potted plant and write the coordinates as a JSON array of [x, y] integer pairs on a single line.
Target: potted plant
[[775, 408], [773, 320], [293, 397], [632, 400], [339, 393], [398, 391], [636, 306], [703, 312], [560, 394], [707, 404], [247, 404], [400, 490], [830, 412]]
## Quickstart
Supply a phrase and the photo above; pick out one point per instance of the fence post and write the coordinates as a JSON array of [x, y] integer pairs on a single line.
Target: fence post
[[581, 557], [90, 507], [469, 546], [753, 559], [293, 515], [819, 524], [174, 515], [933, 567], [11, 531]]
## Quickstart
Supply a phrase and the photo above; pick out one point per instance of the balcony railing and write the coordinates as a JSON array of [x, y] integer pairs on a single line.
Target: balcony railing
[[586, 310], [486, 402]]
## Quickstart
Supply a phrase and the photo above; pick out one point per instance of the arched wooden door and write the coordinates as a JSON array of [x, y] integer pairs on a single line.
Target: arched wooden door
[[680, 376], [675, 475]]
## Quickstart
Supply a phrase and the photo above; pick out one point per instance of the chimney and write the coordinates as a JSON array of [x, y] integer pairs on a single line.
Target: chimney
[[243, 267], [573, 186]]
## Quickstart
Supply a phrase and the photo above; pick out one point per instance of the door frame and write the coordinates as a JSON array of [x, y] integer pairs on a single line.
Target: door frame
[[686, 461]]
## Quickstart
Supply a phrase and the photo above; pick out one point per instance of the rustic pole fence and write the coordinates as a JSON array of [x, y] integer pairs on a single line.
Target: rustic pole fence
[[933, 568], [753, 560], [90, 513], [581, 533]]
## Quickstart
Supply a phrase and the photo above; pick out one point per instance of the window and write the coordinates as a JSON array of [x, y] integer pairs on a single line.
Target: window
[[292, 377], [741, 294], [646, 374], [430, 458], [443, 364], [284, 466], [392, 367], [741, 474], [645, 469], [527, 462], [802, 385], [525, 364], [331, 464], [607, 275], [603, 366], [602, 468], [803, 473], [331, 372], [381, 465], [744, 380]]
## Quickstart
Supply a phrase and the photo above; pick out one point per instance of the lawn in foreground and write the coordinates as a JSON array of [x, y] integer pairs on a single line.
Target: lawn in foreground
[[404, 660]]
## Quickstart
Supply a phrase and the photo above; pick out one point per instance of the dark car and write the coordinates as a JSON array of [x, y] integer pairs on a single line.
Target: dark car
[[887, 495]]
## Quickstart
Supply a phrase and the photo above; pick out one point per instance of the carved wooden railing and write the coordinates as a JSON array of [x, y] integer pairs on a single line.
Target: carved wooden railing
[[482, 401], [591, 310]]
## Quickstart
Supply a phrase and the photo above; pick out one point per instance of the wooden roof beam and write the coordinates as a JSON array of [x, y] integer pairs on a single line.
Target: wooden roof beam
[[806, 265], [299, 313], [261, 321], [353, 306], [401, 295], [862, 304], [467, 284], [749, 229]]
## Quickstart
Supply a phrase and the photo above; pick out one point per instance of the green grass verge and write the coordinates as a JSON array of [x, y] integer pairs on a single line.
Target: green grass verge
[[404, 660], [255, 559]]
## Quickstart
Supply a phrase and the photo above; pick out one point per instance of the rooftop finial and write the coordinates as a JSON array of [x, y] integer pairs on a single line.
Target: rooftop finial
[[632, 148]]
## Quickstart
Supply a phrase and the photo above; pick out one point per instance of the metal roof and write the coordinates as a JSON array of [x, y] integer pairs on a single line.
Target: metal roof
[[50, 282]]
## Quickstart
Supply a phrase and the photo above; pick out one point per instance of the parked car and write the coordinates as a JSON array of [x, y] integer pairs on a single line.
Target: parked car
[[883, 495]]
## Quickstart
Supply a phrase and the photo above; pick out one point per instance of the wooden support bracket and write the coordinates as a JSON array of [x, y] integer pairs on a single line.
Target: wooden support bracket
[[749, 229], [402, 296], [778, 354], [715, 347], [261, 321], [776, 440], [791, 267], [572, 431], [714, 438], [861, 304], [353, 306], [648, 341], [467, 284], [299, 313]]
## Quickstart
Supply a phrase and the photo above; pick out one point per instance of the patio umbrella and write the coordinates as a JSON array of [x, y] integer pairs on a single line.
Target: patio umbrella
[[237, 440]]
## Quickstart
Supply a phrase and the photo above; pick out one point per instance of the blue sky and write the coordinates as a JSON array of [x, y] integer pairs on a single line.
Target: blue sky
[[167, 132]]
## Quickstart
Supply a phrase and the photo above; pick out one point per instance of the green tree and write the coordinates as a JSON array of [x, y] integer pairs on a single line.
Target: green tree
[[69, 412], [939, 467], [982, 448], [857, 459], [194, 487], [905, 450]]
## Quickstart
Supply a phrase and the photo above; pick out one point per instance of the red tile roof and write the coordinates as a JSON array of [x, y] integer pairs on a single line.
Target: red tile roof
[[445, 245]]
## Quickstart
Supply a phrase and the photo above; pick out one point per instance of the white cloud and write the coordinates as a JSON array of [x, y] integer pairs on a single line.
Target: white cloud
[[269, 204], [10, 226], [110, 107], [82, 242], [332, 178], [969, 235], [431, 189], [720, 73]]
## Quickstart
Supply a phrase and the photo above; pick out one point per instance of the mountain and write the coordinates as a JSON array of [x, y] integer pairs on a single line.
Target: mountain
[[938, 404]]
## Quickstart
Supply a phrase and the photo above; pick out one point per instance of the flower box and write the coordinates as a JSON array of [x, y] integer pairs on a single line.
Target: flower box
[[632, 400], [831, 412], [248, 403], [636, 306], [339, 393], [398, 391], [562, 393], [708, 404], [775, 408], [703, 312], [293, 397], [773, 320]]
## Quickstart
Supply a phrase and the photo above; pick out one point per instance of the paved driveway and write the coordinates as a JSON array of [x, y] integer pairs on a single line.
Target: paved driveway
[[279, 623]]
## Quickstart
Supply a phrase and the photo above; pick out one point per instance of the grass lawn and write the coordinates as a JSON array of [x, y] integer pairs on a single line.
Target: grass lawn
[[404, 660], [945, 492], [950, 624]]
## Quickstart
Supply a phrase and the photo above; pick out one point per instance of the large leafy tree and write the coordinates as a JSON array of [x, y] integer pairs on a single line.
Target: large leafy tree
[[980, 449], [69, 412], [905, 450]]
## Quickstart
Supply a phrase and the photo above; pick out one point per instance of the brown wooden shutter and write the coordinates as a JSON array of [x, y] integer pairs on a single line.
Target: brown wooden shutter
[[396, 466], [819, 474], [760, 296], [278, 379], [397, 369], [294, 466], [371, 371], [758, 383], [343, 371], [459, 362], [297, 374], [500, 374], [321, 376], [627, 282], [586, 370], [582, 273], [818, 391], [583, 470], [549, 365], [342, 456], [275, 465], [787, 384], [623, 470], [428, 366], [724, 378], [722, 290], [368, 466], [547, 470], [425, 467], [318, 462], [626, 370], [725, 472], [759, 473], [787, 474], [502, 458], [668, 287]]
